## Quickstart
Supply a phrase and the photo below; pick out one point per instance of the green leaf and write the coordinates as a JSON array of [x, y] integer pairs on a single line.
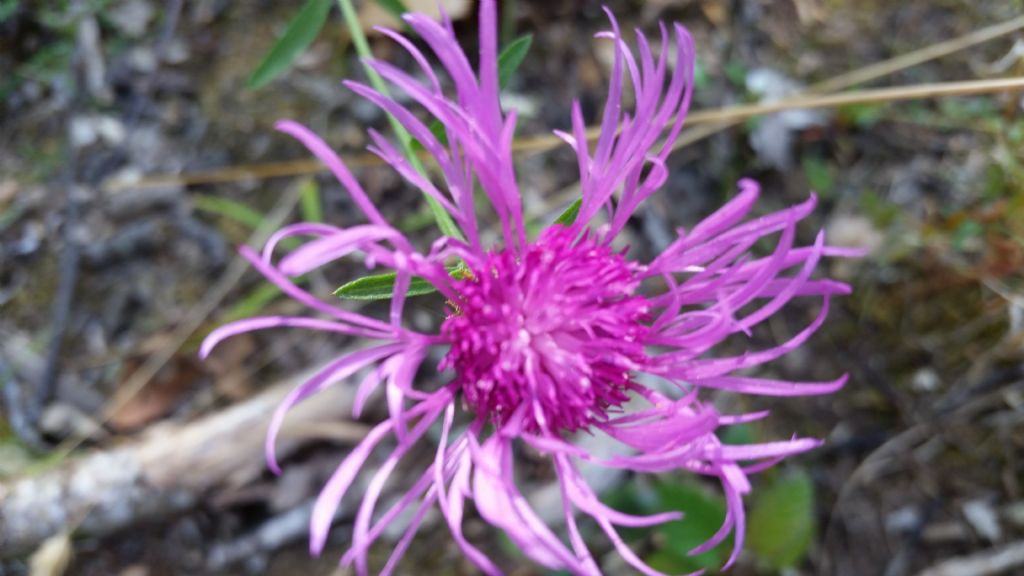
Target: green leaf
[[738, 434], [301, 32], [252, 303], [511, 57], [381, 287], [736, 73], [967, 230], [781, 524], [234, 210], [701, 80], [569, 215], [309, 202], [438, 130], [228, 208], [704, 515], [395, 7], [819, 175]]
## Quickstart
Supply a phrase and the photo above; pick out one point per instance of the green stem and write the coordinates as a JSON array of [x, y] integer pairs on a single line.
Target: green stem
[[444, 220]]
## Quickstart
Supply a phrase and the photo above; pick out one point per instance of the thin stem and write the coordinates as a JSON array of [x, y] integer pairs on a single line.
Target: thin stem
[[808, 101], [704, 121], [444, 220]]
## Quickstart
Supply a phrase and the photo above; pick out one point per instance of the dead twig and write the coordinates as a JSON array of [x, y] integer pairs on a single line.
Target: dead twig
[[166, 471], [719, 119], [998, 560]]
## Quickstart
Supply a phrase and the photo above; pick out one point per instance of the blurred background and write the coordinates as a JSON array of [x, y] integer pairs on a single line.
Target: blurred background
[[137, 152]]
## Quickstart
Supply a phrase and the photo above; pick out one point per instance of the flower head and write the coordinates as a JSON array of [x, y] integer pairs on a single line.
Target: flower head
[[557, 329], [548, 337]]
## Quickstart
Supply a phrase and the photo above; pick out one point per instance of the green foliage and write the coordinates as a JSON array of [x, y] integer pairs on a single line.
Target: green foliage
[[310, 205], [569, 215], [253, 303], [700, 77], [705, 512], [781, 524], [819, 175], [738, 434], [511, 57], [881, 212], [967, 230], [231, 209], [861, 115], [8, 8], [736, 73], [382, 286], [395, 7], [301, 32]]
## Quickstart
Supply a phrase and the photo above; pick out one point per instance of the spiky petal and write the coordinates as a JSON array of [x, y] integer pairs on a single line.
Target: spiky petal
[[554, 335]]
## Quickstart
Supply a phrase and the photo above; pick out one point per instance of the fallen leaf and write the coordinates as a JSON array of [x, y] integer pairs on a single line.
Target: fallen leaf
[[156, 399], [53, 556]]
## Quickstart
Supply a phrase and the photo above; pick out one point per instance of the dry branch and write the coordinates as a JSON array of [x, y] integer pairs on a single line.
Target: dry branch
[[166, 471], [1001, 560]]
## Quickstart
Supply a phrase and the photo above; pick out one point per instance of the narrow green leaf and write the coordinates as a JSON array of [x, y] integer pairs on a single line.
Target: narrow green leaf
[[819, 175], [395, 7], [309, 202], [252, 303], [781, 525], [511, 57], [569, 215], [228, 208], [381, 287], [704, 515], [738, 434], [236, 211], [301, 32], [438, 130]]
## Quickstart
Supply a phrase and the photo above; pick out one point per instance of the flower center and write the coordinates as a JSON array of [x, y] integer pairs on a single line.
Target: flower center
[[550, 334]]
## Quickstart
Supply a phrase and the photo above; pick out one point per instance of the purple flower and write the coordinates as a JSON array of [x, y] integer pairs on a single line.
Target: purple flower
[[548, 337]]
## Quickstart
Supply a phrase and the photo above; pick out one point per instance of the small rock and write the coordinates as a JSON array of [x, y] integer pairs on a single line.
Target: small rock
[[53, 556], [364, 111], [132, 17], [773, 137], [983, 518], [30, 241], [135, 570], [945, 533], [88, 129], [903, 520], [141, 59], [854, 231], [925, 380], [176, 52], [525, 106], [8, 188], [61, 420]]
